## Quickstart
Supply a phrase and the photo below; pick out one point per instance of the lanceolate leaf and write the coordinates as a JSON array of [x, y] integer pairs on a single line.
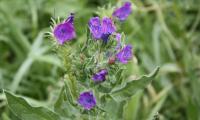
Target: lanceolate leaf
[[24, 111], [63, 107], [129, 88]]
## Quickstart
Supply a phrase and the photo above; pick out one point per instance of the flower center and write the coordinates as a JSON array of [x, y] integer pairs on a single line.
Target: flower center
[[89, 100], [63, 31]]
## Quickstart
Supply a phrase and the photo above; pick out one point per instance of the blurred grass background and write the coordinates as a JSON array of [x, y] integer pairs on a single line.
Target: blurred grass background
[[164, 33]]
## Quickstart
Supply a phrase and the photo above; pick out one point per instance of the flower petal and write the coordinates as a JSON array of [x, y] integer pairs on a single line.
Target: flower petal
[[123, 12], [87, 100], [95, 27], [125, 54], [100, 76], [108, 26], [65, 31]]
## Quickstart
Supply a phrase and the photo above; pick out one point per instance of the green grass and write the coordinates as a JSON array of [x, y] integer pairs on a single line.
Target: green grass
[[164, 33]]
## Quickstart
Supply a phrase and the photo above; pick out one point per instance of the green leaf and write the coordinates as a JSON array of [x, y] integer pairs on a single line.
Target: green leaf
[[114, 109], [192, 111], [59, 102], [62, 106], [126, 90], [26, 112], [131, 108], [70, 89]]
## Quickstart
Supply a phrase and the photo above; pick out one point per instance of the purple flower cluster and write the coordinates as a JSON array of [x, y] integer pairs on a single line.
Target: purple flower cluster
[[87, 100], [101, 30]]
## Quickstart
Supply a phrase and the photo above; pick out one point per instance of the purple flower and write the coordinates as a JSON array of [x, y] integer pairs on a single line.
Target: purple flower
[[108, 26], [100, 76], [65, 31], [125, 54], [95, 27], [123, 12], [87, 100], [101, 30]]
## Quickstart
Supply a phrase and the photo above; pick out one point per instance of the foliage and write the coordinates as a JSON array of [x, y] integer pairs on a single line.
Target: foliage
[[66, 109]]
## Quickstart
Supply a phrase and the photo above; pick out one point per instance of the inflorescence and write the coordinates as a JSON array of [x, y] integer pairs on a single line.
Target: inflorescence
[[100, 30]]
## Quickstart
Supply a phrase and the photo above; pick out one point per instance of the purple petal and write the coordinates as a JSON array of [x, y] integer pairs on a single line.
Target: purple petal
[[108, 26], [103, 72], [65, 31], [87, 100], [100, 76], [95, 27], [118, 38], [123, 12], [125, 54], [105, 37], [70, 19]]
